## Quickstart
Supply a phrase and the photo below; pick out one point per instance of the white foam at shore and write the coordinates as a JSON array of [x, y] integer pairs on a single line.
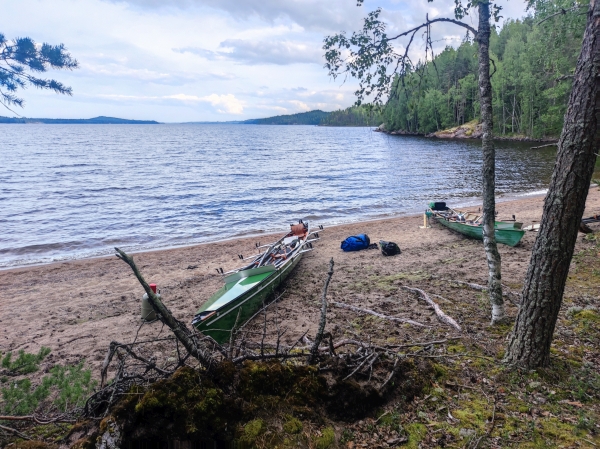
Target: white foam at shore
[[536, 192]]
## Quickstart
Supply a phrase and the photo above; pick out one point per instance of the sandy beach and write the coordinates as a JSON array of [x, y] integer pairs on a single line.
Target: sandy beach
[[77, 308]]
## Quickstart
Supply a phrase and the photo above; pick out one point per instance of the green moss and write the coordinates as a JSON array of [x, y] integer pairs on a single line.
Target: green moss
[[439, 371], [416, 432], [186, 406], [292, 425], [252, 430], [50, 431], [326, 440], [301, 385], [563, 434], [453, 349], [589, 315], [473, 414]]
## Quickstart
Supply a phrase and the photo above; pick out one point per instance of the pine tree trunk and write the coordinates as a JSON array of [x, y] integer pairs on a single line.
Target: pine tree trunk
[[489, 165], [530, 341]]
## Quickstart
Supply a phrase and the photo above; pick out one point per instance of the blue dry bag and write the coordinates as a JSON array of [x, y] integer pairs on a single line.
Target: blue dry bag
[[356, 242]]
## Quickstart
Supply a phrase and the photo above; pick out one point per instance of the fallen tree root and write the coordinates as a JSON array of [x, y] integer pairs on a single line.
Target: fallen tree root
[[377, 314], [439, 312]]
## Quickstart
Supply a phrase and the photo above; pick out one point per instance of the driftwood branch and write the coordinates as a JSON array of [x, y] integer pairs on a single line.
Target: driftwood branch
[[183, 334], [439, 312], [319, 337], [377, 314]]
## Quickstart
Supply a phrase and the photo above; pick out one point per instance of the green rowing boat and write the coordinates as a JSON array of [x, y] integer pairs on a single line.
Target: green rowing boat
[[506, 232], [248, 288]]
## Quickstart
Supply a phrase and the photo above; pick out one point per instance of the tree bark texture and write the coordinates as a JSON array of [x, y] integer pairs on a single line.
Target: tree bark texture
[[546, 277], [489, 165]]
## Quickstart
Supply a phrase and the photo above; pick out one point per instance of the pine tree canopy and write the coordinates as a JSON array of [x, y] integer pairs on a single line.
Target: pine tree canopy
[[22, 59]]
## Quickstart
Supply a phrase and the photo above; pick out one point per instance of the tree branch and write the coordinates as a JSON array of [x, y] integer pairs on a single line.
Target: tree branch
[[429, 22], [315, 348], [183, 334]]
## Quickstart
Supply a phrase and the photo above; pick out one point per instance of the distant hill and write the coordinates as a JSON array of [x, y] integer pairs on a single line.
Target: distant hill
[[79, 121], [303, 118]]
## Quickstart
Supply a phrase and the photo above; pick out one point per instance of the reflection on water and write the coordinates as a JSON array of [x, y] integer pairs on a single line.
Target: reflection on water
[[72, 191]]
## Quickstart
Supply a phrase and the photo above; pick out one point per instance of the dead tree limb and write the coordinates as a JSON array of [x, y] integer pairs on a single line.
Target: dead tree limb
[[562, 11], [315, 348], [377, 314], [390, 376], [58, 419], [183, 334], [439, 312], [373, 358], [15, 432], [112, 350]]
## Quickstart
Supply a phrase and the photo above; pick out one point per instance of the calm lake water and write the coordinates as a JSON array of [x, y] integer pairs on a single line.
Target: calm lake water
[[74, 191]]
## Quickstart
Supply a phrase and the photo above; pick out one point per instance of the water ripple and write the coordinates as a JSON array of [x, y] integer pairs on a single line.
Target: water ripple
[[73, 191]]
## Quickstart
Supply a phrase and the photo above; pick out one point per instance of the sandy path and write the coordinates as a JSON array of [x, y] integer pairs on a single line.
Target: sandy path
[[76, 308]]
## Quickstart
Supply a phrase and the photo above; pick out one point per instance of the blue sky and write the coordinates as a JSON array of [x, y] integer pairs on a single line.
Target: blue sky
[[204, 60]]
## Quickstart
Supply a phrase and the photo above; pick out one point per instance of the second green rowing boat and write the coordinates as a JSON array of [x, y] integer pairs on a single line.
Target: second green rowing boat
[[506, 231]]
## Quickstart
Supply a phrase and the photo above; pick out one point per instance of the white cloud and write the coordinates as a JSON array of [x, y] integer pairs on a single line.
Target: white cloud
[[225, 104], [229, 103], [260, 52], [280, 53], [310, 14]]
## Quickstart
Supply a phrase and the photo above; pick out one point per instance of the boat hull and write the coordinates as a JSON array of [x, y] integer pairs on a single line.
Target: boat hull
[[220, 325], [507, 236]]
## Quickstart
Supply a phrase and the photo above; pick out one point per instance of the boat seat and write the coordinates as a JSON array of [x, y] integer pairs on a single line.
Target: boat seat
[[288, 241]]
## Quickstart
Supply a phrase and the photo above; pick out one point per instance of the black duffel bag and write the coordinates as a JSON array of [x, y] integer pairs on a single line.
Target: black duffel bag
[[389, 248]]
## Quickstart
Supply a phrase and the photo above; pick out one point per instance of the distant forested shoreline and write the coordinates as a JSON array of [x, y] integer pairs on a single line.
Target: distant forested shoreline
[[83, 121]]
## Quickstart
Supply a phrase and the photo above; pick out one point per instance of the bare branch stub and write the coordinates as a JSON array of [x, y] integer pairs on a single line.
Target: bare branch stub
[[319, 337]]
